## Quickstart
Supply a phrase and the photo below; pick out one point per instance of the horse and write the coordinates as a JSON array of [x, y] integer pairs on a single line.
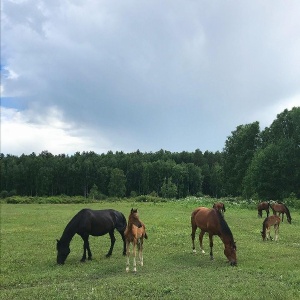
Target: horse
[[91, 222], [267, 223], [220, 207], [211, 220], [282, 209], [263, 206], [135, 234]]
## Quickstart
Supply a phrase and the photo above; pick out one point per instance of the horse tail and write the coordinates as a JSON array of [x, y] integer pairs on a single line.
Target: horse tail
[[264, 226], [145, 235]]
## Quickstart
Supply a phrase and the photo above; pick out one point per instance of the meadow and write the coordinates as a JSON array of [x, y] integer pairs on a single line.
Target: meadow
[[171, 271]]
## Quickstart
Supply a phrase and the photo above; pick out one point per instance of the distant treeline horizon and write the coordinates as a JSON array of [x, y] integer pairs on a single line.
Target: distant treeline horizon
[[253, 164]]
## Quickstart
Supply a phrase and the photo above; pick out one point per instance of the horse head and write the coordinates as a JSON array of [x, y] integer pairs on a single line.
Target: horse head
[[289, 219], [230, 253], [63, 251], [263, 235]]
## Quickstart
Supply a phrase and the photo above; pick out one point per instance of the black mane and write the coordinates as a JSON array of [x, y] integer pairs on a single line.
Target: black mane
[[224, 226]]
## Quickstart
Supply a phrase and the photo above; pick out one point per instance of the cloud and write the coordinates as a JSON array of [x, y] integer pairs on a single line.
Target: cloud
[[151, 75], [22, 133]]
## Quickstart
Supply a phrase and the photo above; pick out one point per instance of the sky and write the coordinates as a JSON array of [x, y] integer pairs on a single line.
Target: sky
[[176, 75]]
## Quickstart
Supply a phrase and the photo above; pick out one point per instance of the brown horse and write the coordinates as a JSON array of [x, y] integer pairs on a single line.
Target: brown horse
[[267, 223], [282, 209], [220, 207], [263, 206], [210, 220], [135, 234]]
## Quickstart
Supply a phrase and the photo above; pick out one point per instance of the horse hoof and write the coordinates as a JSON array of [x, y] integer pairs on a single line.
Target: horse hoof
[[194, 251], [82, 260]]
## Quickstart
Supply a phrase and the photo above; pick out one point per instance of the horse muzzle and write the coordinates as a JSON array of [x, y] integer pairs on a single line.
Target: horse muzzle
[[233, 263]]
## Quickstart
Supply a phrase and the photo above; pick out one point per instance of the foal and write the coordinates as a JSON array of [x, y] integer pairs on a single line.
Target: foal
[[268, 222], [135, 234]]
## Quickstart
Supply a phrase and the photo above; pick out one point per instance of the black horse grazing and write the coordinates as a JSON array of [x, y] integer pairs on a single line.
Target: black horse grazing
[[91, 222]]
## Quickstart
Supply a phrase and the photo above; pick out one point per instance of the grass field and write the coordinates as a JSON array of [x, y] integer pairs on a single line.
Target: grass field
[[266, 270]]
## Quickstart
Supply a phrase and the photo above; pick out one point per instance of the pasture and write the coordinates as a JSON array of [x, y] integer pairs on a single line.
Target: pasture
[[29, 270]]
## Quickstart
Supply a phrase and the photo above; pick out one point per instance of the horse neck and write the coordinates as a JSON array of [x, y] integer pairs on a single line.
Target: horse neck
[[287, 211], [226, 238], [68, 233], [133, 220]]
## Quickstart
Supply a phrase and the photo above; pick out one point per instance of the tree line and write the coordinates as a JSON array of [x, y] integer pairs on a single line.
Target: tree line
[[263, 164]]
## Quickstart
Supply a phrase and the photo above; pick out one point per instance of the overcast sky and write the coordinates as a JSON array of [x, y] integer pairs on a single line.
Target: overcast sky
[[88, 75]]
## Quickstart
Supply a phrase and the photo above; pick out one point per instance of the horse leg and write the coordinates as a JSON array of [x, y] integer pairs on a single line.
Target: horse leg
[[201, 240], [194, 228], [276, 227], [140, 249], [112, 242], [134, 255], [267, 210], [128, 255], [124, 242], [86, 247], [268, 229], [211, 244]]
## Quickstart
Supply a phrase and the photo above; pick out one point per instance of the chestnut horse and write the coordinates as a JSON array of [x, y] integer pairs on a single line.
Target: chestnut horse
[[211, 220], [135, 234], [263, 206], [220, 207], [282, 209], [267, 223]]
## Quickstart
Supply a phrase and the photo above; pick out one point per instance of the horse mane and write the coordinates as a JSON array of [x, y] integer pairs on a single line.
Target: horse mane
[[287, 211], [224, 226], [70, 229]]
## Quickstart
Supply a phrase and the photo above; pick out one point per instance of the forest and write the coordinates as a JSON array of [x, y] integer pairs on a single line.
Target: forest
[[254, 163]]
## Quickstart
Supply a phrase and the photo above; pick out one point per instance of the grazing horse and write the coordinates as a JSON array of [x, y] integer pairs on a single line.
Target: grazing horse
[[220, 207], [135, 234], [282, 209], [267, 223], [91, 222], [211, 220], [263, 206]]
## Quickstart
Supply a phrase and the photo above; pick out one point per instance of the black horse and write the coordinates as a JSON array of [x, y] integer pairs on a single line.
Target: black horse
[[91, 222]]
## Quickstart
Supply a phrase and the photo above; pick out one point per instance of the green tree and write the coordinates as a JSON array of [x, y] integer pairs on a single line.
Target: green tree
[[117, 183], [238, 153], [94, 192], [168, 189]]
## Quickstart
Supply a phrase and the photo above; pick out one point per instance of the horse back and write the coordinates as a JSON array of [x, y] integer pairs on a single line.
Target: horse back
[[206, 219], [100, 222]]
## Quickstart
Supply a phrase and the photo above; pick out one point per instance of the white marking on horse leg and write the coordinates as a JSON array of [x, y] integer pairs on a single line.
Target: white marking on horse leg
[[202, 251], [127, 263], [141, 258], [194, 251], [134, 264]]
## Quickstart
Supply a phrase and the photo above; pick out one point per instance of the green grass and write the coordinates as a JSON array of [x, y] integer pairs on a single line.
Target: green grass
[[28, 257]]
